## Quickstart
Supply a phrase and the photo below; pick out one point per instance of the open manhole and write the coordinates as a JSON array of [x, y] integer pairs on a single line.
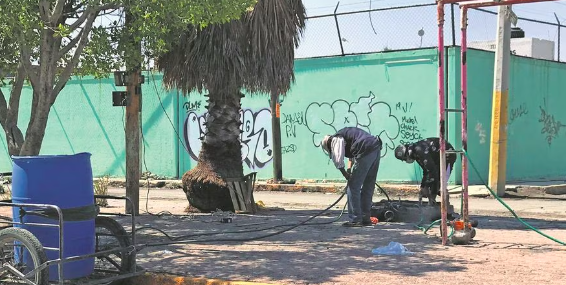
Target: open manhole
[[405, 211]]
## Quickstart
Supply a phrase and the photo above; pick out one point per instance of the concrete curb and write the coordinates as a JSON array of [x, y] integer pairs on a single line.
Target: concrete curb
[[168, 279], [555, 189], [401, 190]]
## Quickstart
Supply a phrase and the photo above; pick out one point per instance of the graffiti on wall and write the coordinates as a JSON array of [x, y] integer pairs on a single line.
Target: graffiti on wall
[[327, 118], [290, 122], [192, 106], [256, 136], [482, 134], [550, 126], [518, 112], [409, 128]]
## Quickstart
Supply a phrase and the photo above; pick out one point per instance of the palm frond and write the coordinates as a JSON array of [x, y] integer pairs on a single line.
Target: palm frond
[[255, 52]]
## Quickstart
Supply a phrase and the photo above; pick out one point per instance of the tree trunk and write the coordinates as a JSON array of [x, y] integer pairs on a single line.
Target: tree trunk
[[9, 113], [220, 156]]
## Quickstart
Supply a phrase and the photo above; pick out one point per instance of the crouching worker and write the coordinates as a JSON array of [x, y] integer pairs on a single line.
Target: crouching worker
[[364, 150], [427, 154]]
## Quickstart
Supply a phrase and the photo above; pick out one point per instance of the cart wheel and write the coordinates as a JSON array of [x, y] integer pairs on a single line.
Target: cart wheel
[[21, 250], [111, 235]]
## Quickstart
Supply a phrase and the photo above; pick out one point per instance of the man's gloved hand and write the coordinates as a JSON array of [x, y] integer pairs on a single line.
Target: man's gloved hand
[[349, 170], [347, 176]]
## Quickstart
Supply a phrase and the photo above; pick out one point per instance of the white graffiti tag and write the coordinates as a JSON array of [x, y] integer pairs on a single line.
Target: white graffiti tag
[[256, 136]]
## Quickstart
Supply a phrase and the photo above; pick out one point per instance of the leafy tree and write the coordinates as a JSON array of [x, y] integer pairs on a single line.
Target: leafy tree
[[255, 53], [47, 41]]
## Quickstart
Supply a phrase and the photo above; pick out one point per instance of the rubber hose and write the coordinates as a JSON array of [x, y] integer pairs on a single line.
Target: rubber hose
[[507, 206]]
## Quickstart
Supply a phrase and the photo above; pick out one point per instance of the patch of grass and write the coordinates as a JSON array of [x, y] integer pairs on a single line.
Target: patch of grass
[[101, 188]]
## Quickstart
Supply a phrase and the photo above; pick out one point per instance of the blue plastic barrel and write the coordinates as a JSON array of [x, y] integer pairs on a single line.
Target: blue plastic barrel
[[65, 181]]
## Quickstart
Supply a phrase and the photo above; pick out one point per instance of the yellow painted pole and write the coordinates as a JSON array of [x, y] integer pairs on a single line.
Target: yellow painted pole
[[498, 143]]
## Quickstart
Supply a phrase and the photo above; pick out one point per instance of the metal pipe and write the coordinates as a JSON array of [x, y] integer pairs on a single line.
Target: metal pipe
[[61, 246], [338, 28], [475, 4], [443, 207], [464, 106], [559, 28]]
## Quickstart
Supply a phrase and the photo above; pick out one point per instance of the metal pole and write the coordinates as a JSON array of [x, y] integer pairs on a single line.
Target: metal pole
[[338, 28], [559, 28], [276, 130], [498, 145], [464, 106], [453, 24], [443, 206]]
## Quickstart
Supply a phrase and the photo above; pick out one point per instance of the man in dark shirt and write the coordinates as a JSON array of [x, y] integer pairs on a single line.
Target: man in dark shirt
[[363, 149], [427, 154]]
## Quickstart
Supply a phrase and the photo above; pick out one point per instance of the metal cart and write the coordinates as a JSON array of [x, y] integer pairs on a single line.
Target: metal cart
[[115, 253]]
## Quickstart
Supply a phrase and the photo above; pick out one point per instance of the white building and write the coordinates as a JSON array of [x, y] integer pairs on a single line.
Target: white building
[[530, 47]]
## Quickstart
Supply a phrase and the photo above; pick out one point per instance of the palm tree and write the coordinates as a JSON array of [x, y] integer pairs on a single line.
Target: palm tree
[[255, 53]]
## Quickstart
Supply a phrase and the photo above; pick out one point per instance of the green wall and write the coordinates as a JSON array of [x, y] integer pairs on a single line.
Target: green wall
[[537, 121], [84, 120], [392, 94]]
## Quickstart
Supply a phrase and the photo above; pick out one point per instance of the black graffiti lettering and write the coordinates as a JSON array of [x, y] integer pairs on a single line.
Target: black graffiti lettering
[[518, 112], [405, 107], [550, 126], [374, 117], [289, 149], [291, 131], [192, 106], [296, 118], [290, 121], [410, 131], [255, 136]]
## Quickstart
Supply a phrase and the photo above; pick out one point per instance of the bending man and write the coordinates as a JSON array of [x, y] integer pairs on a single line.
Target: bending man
[[427, 154], [364, 151]]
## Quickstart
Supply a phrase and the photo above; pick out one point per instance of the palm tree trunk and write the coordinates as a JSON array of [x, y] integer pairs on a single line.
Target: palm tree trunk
[[220, 156]]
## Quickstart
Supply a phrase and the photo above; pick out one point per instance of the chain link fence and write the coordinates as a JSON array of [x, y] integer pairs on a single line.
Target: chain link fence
[[415, 26]]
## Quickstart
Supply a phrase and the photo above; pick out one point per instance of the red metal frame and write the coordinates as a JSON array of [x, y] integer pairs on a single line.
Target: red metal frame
[[464, 4]]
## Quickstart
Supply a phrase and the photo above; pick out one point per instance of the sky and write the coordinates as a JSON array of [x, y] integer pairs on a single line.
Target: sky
[[399, 29]]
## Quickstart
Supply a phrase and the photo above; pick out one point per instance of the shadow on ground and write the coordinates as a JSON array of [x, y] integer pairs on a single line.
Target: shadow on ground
[[308, 254]]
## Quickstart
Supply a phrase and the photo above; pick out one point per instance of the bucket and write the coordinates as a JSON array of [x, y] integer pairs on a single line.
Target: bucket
[[65, 181]]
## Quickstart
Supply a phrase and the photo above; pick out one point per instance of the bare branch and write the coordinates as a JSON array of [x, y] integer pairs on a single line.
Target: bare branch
[[57, 11], [66, 74], [3, 109], [44, 10], [25, 56], [70, 45], [81, 19], [15, 94]]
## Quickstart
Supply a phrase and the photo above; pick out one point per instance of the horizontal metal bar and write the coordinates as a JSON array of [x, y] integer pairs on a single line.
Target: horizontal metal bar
[[51, 248], [520, 18], [130, 248], [31, 224], [454, 110], [454, 151], [476, 4]]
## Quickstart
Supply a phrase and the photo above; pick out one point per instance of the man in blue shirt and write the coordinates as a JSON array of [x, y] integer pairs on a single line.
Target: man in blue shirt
[[363, 150]]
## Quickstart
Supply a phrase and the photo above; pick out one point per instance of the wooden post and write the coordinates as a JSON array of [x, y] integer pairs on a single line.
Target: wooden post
[[133, 90], [276, 129]]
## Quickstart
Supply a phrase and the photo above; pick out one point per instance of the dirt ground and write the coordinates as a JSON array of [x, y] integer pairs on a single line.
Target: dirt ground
[[503, 252]]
